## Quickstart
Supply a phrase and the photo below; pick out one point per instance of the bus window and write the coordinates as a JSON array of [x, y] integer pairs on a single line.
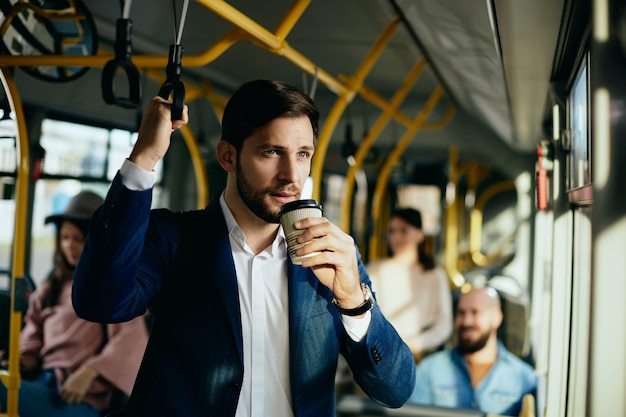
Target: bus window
[[77, 157]]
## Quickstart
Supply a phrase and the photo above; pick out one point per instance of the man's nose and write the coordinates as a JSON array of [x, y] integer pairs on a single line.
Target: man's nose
[[466, 320], [289, 170]]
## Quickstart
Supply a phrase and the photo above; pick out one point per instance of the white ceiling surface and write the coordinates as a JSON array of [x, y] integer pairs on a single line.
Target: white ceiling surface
[[495, 59]]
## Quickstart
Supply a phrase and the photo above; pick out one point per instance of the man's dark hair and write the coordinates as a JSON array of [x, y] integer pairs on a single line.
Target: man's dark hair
[[258, 102]]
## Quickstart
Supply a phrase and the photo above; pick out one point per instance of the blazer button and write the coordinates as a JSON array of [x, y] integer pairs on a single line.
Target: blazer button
[[234, 386], [375, 354]]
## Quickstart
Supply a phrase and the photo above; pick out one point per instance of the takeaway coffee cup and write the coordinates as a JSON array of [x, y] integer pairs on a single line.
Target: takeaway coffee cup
[[291, 213]]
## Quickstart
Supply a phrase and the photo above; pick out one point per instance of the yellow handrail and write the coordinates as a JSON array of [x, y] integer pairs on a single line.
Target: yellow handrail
[[476, 221], [372, 135], [202, 180], [383, 177], [11, 378], [345, 97]]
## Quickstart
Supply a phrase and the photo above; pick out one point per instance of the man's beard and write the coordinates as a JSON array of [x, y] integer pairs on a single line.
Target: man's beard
[[255, 200], [467, 346]]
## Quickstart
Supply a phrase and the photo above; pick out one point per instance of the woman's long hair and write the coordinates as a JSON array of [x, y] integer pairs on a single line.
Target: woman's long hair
[[61, 273], [414, 218]]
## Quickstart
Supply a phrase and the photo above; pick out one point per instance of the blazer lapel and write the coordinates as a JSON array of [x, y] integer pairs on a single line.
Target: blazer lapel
[[301, 298], [302, 295], [223, 267]]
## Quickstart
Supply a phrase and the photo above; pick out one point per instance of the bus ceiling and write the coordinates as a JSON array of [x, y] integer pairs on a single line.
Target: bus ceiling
[[492, 58]]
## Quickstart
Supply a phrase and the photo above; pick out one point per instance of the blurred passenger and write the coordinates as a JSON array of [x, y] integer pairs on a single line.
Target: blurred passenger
[[479, 372], [71, 366], [411, 290]]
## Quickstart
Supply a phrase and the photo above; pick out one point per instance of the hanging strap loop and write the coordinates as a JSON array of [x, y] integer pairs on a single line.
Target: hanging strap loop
[[123, 51], [172, 85]]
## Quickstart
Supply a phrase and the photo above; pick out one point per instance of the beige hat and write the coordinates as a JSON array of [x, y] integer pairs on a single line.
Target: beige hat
[[79, 210]]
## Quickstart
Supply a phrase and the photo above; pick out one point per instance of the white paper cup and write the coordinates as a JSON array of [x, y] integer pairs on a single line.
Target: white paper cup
[[291, 213]]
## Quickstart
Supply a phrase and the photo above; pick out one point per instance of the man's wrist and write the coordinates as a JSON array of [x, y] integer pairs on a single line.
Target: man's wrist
[[366, 305], [136, 178]]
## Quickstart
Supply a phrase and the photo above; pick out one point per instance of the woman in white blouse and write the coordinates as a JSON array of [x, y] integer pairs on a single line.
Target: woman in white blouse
[[411, 290]]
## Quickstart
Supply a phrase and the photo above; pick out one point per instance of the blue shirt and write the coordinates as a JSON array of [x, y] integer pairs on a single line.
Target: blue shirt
[[443, 380]]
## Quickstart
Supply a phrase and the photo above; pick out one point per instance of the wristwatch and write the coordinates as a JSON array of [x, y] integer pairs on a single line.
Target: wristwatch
[[367, 304]]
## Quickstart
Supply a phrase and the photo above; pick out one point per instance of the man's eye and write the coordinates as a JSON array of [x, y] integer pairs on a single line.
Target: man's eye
[[303, 154], [271, 152]]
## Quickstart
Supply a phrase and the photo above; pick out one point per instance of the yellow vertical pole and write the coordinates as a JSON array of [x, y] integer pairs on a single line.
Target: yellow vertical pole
[[11, 379]]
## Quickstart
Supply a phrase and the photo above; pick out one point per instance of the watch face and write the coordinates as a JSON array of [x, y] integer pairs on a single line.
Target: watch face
[[367, 292]]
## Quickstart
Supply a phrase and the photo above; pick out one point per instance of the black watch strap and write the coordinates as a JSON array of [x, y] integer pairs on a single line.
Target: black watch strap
[[366, 306]]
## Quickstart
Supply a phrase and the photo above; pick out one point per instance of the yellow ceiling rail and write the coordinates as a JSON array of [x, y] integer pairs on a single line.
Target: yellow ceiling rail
[[142, 61], [291, 18], [251, 31], [248, 30], [11, 378], [396, 153], [370, 138], [445, 119], [237, 18], [275, 42], [374, 98], [354, 84], [476, 221]]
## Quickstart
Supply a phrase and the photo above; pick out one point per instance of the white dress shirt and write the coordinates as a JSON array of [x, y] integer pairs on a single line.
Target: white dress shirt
[[264, 304], [263, 299]]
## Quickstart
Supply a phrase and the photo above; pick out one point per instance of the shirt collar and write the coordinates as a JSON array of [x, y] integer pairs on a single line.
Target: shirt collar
[[231, 224], [235, 231]]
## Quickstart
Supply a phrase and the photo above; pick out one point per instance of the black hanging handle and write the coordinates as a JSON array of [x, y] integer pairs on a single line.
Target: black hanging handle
[[123, 50], [172, 85]]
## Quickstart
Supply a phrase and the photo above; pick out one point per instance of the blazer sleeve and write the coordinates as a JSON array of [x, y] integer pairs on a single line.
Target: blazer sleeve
[[127, 254]]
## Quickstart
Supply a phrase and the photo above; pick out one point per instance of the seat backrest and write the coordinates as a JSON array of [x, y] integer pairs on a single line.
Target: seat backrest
[[528, 406]]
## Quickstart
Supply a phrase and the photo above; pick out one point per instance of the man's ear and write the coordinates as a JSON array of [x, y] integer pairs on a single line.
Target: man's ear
[[226, 155]]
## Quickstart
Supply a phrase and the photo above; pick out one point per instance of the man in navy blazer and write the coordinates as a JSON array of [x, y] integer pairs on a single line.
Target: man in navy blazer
[[238, 329]]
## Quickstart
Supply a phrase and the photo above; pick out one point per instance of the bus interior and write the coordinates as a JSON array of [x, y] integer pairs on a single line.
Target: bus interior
[[499, 119]]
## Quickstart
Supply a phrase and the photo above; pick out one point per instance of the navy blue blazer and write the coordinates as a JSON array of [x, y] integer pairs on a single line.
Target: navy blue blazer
[[131, 261]]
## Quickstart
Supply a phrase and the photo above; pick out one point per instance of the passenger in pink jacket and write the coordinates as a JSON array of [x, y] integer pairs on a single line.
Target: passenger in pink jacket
[[71, 366]]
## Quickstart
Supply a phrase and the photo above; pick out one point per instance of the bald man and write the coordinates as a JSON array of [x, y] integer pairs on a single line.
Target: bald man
[[479, 373]]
